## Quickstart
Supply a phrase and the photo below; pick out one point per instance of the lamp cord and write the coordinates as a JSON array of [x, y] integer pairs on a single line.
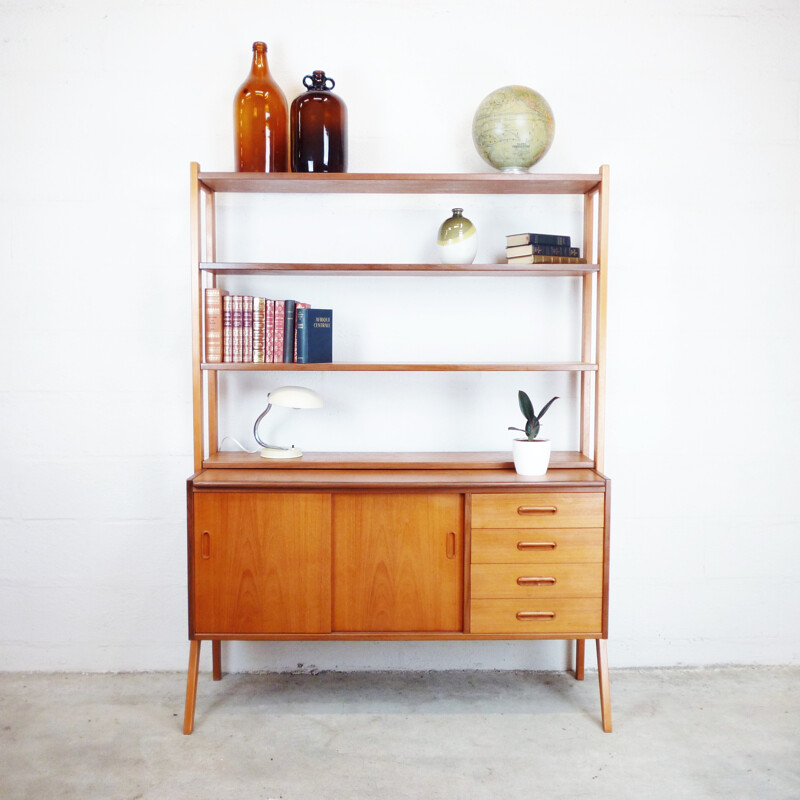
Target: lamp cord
[[238, 444]]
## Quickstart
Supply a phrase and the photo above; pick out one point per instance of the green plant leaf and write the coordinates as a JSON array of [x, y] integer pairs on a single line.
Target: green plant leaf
[[525, 406], [548, 404]]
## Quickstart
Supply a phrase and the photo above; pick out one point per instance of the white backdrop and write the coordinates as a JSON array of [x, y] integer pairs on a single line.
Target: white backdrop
[[696, 107]]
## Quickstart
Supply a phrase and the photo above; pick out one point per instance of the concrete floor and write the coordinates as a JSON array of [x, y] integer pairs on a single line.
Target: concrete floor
[[727, 733]]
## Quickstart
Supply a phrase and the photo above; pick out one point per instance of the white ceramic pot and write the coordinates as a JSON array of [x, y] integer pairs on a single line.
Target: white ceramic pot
[[531, 458]]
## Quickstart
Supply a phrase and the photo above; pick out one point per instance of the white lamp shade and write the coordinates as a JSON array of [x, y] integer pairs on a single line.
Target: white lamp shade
[[295, 397]]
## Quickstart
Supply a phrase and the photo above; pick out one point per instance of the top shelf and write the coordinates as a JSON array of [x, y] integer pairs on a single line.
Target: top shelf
[[392, 183]]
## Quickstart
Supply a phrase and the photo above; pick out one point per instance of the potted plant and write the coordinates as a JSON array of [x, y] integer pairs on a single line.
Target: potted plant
[[531, 455]]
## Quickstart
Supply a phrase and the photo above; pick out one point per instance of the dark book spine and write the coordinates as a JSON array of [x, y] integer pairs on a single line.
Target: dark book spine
[[302, 335], [288, 331], [538, 238], [318, 336]]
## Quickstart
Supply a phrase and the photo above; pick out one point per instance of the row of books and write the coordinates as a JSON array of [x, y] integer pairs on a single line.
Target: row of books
[[241, 329], [541, 248]]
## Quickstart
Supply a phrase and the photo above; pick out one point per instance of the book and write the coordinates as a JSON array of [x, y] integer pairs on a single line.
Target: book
[[299, 306], [514, 239], [227, 329], [213, 326], [546, 260], [247, 329], [542, 250], [290, 309], [280, 318], [269, 332], [237, 324], [259, 319], [314, 335]]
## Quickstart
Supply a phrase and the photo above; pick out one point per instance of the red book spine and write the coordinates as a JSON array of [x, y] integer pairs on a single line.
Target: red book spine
[[280, 312], [227, 329], [247, 329], [269, 332]]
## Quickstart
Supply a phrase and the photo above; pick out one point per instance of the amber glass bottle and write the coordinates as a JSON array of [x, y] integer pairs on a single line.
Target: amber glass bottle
[[260, 119], [318, 127]]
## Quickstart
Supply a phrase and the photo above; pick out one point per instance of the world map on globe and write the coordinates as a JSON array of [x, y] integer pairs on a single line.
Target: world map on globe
[[513, 128]]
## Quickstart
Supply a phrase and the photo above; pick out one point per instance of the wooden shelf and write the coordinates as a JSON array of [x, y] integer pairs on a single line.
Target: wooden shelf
[[339, 366], [401, 270], [362, 461], [341, 480], [391, 183]]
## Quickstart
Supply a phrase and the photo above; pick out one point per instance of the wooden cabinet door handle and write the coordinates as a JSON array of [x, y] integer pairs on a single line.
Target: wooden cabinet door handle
[[535, 581], [205, 545], [536, 545], [522, 510], [451, 544], [527, 615]]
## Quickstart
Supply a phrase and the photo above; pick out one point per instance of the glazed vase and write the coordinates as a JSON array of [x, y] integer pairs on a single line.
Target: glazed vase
[[457, 241]]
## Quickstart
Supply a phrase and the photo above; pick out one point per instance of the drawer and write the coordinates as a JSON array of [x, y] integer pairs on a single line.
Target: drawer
[[539, 510], [570, 545], [536, 581], [554, 617]]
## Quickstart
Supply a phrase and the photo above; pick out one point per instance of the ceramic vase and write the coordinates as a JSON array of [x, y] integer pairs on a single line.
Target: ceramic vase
[[457, 240]]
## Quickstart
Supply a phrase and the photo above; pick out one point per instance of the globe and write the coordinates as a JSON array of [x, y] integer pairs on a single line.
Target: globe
[[513, 128]]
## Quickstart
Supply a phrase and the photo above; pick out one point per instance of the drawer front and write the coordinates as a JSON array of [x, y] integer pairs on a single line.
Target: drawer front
[[573, 545], [536, 581], [554, 617], [539, 510]]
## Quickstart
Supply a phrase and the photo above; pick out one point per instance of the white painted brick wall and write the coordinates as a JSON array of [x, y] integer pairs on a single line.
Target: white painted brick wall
[[696, 107]]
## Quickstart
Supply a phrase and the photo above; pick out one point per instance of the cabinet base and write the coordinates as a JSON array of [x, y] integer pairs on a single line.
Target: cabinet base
[[216, 654]]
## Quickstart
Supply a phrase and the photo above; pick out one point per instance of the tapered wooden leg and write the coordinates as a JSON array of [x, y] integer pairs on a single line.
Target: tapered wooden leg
[[605, 691], [580, 653], [191, 685], [216, 659]]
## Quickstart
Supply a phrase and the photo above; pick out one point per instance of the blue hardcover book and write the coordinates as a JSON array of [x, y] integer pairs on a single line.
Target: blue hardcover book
[[314, 335], [515, 239]]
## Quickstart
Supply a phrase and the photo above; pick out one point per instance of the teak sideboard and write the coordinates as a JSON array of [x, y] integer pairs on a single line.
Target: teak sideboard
[[399, 546]]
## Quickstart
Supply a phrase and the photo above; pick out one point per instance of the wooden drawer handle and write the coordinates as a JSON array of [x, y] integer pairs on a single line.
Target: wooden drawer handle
[[522, 510], [533, 581], [205, 545], [527, 615], [536, 545], [450, 549]]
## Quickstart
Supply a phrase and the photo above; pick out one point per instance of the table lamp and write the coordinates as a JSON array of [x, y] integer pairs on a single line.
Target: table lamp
[[287, 397]]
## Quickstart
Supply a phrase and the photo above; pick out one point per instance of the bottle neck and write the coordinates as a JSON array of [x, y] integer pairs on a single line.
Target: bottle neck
[[260, 68]]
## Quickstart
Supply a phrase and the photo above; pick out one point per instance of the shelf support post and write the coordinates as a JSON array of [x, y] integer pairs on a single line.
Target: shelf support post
[[197, 306], [600, 343]]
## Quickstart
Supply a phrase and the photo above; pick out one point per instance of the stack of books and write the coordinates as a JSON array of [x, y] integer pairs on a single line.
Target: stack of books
[[541, 248], [240, 329]]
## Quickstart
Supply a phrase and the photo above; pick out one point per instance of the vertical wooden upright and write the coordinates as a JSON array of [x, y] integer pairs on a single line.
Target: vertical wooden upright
[[197, 306], [600, 343]]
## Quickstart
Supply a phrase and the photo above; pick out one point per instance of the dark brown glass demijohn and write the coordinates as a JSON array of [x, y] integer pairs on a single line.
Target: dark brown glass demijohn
[[260, 119], [318, 127]]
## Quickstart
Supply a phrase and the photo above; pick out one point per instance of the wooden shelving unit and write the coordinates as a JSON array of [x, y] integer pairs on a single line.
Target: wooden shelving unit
[[382, 546], [206, 270]]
